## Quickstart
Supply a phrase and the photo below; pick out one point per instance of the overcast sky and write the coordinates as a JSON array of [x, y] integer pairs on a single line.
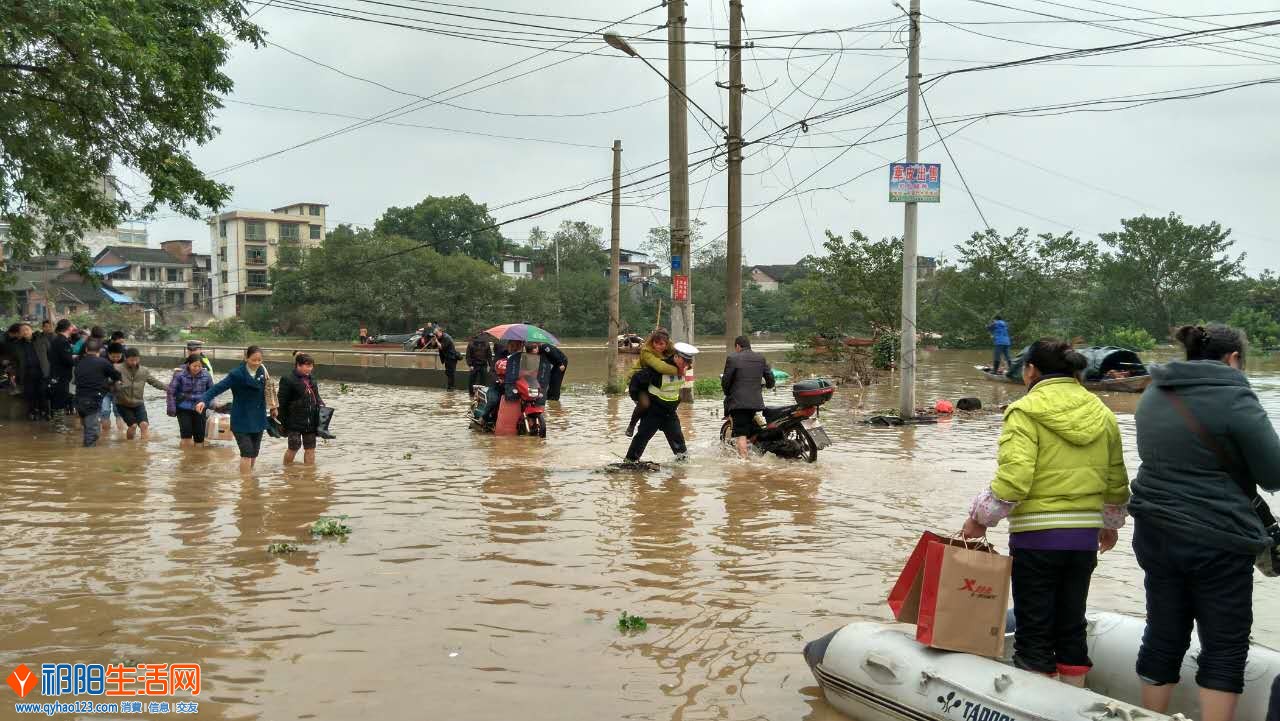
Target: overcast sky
[[1212, 158]]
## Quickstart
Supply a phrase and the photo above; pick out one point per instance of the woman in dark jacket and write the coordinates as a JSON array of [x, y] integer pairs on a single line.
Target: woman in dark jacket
[[248, 386], [1204, 439], [300, 403]]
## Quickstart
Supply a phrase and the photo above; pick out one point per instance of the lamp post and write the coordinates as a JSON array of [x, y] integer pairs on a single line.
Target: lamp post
[[678, 163]]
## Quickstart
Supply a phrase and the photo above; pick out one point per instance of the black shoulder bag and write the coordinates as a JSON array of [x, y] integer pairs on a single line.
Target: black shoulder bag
[[1268, 561]]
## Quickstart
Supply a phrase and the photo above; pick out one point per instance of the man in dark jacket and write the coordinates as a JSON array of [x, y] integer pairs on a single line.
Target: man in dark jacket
[[479, 359], [744, 370], [62, 364], [559, 363], [95, 378], [448, 354], [30, 374]]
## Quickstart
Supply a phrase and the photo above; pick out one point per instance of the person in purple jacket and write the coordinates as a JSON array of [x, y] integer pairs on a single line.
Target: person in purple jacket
[[186, 390]]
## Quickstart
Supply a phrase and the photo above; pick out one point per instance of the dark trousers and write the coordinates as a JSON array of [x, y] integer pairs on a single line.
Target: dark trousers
[[1191, 584], [33, 391], [1001, 351], [61, 396], [450, 367], [660, 416], [553, 387], [1050, 592], [479, 376]]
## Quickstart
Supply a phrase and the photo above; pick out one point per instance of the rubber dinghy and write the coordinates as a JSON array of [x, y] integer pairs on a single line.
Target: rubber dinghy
[[879, 672]]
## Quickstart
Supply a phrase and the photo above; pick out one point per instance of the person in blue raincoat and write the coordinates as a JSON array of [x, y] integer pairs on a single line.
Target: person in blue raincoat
[[248, 385], [999, 331]]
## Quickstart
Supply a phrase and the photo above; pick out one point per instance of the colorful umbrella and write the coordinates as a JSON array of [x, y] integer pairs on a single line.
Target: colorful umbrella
[[522, 332]]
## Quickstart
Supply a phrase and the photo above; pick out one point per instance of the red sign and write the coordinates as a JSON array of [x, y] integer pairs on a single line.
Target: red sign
[[680, 288]]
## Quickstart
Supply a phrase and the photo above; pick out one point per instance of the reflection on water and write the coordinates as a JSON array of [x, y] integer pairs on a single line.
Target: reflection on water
[[484, 575]]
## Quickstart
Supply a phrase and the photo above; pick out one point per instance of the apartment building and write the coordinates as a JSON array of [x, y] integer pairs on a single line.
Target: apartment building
[[152, 276], [95, 240], [246, 244]]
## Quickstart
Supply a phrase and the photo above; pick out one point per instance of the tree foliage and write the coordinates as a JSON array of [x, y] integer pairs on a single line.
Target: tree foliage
[[1160, 271], [855, 287], [85, 84], [447, 225]]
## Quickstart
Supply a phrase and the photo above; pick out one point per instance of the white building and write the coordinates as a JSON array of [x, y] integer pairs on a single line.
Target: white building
[[246, 244], [517, 266]]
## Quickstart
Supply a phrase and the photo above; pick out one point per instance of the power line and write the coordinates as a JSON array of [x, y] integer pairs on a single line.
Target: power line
[[417, 103], [954, 164]]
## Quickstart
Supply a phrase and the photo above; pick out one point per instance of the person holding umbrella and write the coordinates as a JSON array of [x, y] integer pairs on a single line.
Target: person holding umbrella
[[517, 339]]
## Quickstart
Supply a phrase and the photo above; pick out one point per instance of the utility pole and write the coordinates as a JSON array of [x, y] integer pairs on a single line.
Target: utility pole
[[733, 246], [678, 151], [615, 273], [907, 356]]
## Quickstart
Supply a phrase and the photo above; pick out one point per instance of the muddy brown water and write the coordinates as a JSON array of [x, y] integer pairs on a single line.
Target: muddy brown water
[[484, 576]]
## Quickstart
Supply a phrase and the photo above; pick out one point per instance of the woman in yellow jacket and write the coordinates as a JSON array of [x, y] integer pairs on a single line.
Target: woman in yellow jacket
[[1061, 482]]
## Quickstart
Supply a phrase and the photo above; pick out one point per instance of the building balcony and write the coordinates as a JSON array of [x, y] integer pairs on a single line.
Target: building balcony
[[149, 284], [251, 260]]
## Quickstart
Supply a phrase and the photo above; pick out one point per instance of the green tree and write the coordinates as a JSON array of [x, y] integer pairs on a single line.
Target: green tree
[[1259, 326], [856, 286], [1037, 283], [1158, 272], [84, 85], [579, 246], [447, 225], [657, 244]]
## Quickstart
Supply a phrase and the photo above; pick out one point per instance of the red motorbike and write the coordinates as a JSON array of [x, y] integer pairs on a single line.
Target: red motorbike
[[532, 409]]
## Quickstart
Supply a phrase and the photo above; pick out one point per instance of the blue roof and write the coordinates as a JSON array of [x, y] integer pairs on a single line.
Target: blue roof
[[106, 269], [118, 297]]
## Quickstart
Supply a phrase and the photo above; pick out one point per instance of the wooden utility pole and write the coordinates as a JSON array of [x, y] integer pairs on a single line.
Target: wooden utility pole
[[733, 246], [678, 151], [615, 272], [907, 356]]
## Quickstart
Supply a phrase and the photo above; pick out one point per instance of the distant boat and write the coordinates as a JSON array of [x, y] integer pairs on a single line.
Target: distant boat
[[630, 343], [1116, 370]]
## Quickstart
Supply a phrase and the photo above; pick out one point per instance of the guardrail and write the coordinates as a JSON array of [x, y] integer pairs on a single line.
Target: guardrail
[[425, 360]]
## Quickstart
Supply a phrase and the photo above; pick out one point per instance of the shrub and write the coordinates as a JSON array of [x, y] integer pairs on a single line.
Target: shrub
[[707, 387], [1258, 325], [162, 333], [884, 352], [1134, 339], [231, 330]]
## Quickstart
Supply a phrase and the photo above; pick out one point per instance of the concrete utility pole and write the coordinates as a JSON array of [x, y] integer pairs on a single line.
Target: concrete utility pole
[[907, 356], [733, 246], [615, 273], [678, 150]]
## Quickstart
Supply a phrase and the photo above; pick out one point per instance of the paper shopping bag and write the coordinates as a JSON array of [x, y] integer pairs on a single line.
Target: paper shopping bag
[[964, 599], [904, 599], [218, 428]]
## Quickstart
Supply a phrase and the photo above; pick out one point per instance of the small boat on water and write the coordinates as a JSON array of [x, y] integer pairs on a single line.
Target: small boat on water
[[879, 672], [1111, 369], [630, 343]]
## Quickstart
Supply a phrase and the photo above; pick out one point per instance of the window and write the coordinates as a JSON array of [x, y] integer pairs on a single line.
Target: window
[[257, 279], [315, 232], [122, 274], [153, 274], [173, 275], [255, 230], [289, 232], [222, 228], [222, 256], [314, 210], [224, 277], [255, 256]]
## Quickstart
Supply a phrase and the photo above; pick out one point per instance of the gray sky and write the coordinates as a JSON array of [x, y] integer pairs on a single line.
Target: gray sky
[[1212, 158]]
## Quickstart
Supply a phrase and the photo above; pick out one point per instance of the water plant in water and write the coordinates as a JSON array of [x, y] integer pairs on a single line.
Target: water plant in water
[[704, 387], [281, 548], [628, 623], [407, 457], [327, 526], [343, 389]]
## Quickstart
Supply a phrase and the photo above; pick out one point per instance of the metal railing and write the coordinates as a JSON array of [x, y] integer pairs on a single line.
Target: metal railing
[[425, 360]]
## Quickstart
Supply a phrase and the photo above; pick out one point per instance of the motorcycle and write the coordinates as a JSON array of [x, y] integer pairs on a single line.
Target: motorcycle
[[793, 431], [533, 420]]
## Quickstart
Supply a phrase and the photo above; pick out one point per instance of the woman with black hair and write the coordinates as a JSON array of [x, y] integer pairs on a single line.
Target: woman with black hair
[[1206, 446], [300, 403], [1061, 482]]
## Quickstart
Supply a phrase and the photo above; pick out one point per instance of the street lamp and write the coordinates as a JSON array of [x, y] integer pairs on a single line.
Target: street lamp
[[615, 41]]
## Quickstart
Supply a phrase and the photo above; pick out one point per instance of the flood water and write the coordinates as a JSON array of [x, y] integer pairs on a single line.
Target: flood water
[[484, 576]]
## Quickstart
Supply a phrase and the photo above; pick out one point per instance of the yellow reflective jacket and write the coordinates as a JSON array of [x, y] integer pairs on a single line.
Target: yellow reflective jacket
[[1060, 458]]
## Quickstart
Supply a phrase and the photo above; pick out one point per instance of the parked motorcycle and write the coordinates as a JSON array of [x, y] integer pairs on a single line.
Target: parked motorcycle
[[792, 431]]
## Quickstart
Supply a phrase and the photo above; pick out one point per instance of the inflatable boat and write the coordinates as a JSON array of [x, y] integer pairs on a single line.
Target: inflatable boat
[[879, 672]]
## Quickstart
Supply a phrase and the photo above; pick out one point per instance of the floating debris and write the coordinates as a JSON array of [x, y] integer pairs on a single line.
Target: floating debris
[[631, 624], [631, 466], [327, 526], [282, 548]]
